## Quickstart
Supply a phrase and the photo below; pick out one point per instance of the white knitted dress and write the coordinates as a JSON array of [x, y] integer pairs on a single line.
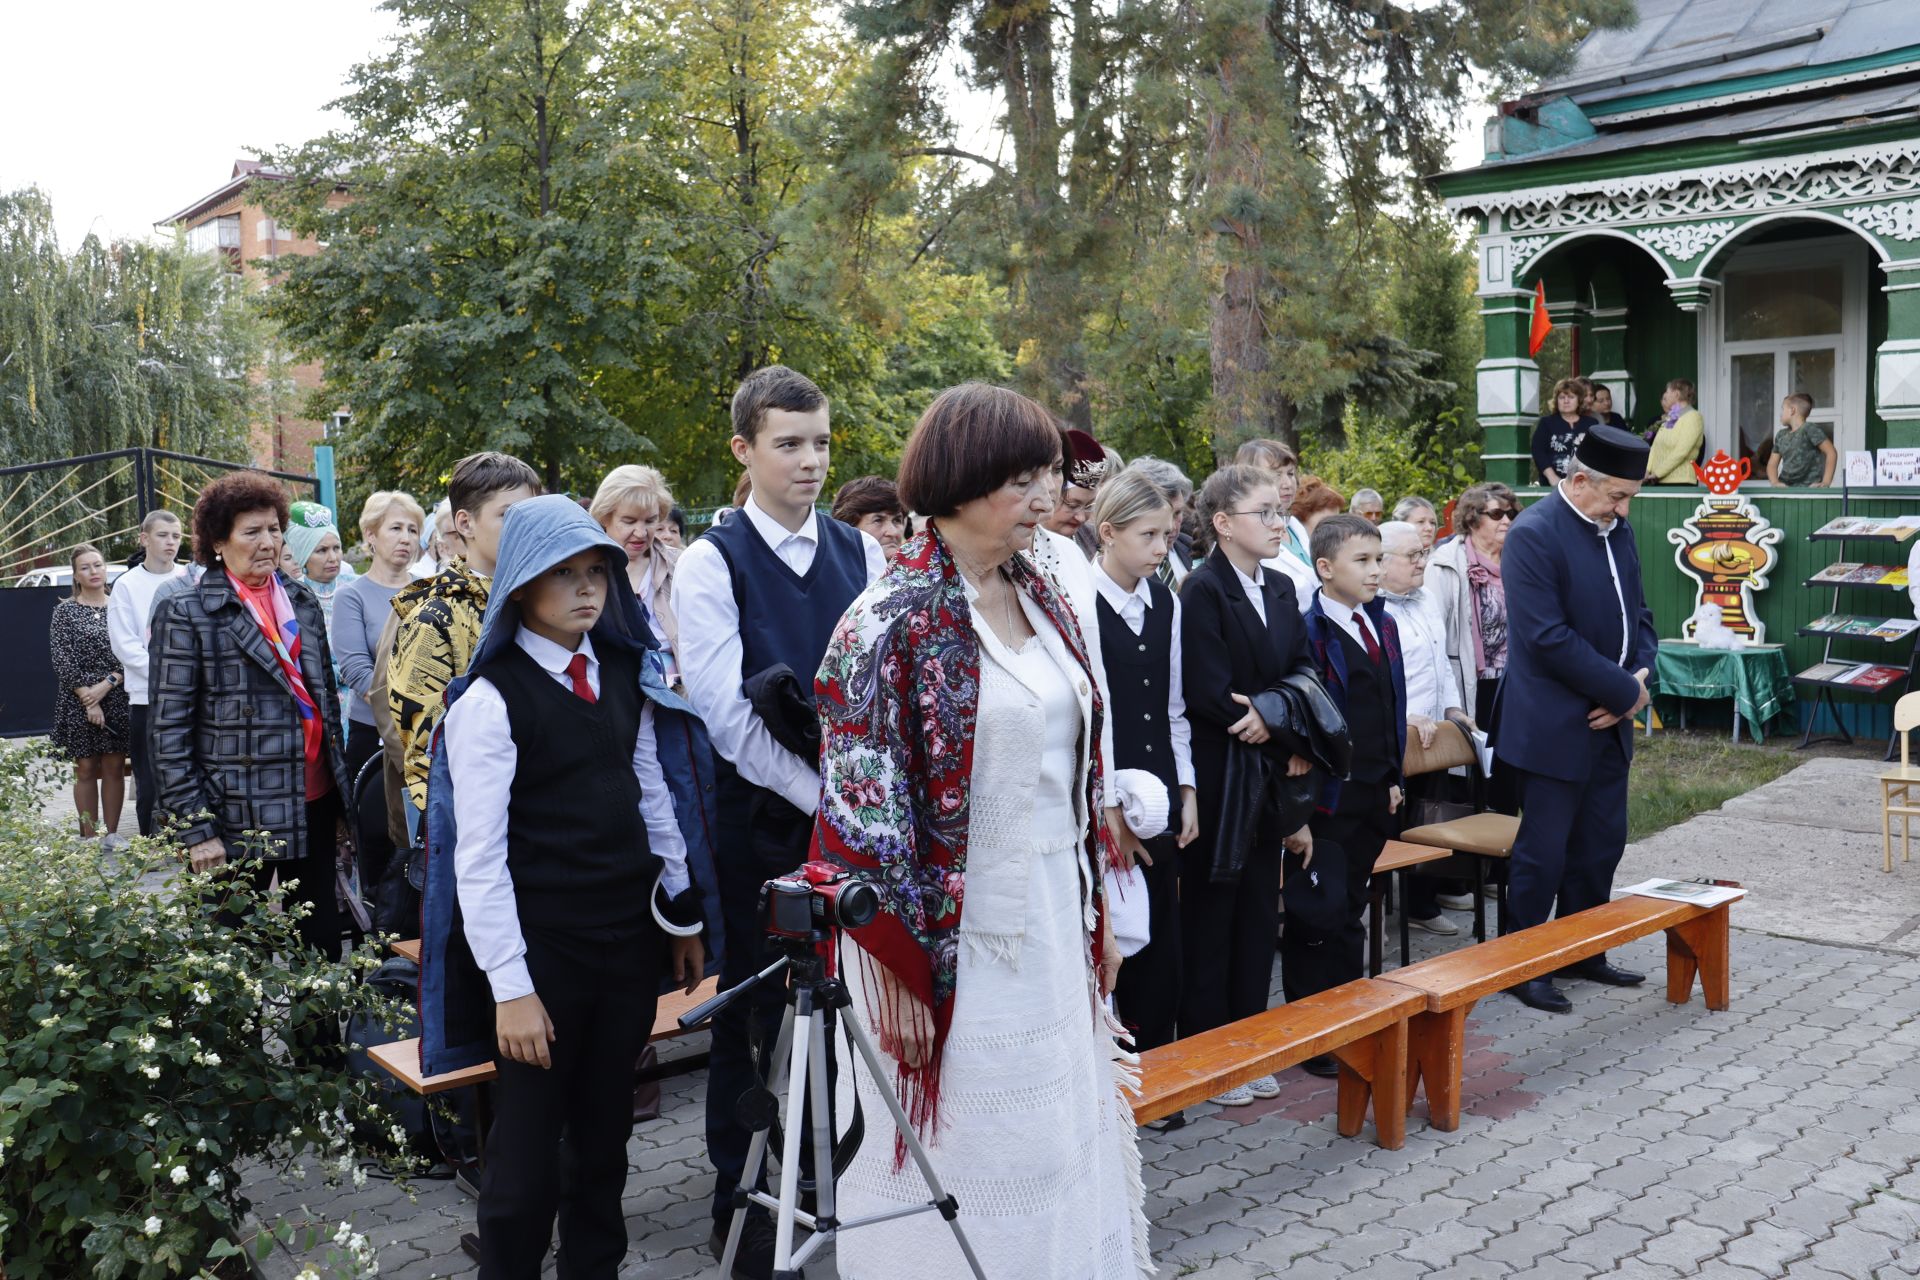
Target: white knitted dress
[[1036, 1140]]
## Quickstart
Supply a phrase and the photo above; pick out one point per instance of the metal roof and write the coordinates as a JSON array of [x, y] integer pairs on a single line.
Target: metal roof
[[1679, 43]]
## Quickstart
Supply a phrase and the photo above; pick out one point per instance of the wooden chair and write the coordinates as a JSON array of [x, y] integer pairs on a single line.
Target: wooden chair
[[1481, 837], [1397, 858], [1896, 799]]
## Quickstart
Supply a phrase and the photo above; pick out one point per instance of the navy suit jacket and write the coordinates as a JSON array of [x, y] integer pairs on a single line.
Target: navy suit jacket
[[1563, 639]]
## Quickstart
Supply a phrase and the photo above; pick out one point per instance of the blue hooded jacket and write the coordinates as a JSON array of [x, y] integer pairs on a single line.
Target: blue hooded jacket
[[538, 534]]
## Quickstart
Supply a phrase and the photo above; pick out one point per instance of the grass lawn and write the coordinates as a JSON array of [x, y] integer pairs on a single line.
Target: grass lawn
[[1676, 775]]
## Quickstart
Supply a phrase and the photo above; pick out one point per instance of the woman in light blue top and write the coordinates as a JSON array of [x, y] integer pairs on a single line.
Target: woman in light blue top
[[390, 522]]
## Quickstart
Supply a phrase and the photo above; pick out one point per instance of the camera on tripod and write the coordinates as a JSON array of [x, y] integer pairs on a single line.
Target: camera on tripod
[[815, 899]]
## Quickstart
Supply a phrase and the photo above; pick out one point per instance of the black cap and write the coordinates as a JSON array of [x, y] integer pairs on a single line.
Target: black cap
[[1315, 898], [1613, 452]]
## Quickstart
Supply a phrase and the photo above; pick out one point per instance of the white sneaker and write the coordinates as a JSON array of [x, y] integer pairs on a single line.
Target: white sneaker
[[1238, 1096], [1455, 901], [1264, 1087], [1439, 924], [113, 842]]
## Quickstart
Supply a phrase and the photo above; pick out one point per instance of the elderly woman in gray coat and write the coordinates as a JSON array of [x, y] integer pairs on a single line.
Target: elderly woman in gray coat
[[245, 715], [1463, 575]]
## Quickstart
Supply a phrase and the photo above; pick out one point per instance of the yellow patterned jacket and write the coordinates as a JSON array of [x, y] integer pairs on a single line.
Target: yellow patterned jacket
[[439, 628]]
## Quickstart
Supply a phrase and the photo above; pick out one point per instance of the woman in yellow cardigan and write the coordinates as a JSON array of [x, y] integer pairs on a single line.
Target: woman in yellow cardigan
[[1677, 440]]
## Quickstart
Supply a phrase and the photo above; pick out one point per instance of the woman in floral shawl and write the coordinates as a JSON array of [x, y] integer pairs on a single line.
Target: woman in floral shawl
[[960, 716]]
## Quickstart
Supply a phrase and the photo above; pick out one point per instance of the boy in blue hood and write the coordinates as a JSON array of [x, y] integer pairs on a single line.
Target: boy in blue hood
[[568, 869]]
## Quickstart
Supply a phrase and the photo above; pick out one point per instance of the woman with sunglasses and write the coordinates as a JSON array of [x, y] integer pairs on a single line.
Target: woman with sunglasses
[[1464, 576]]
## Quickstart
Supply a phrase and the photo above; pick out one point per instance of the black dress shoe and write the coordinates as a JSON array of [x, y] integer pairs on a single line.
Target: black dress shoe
[[1601, 971], [754, 1261], [1324, 1066], [1176, 1121], [1541, 994]]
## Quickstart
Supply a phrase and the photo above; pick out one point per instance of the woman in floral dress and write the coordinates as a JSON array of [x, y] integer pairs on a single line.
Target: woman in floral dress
[[90, 708]]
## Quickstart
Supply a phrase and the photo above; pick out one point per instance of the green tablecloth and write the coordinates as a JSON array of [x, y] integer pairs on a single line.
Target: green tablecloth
[[1758, 680]]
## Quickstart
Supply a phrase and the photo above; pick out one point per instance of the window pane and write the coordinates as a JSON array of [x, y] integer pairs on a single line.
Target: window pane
[[1797, 302], [1811, 373], [1753, 406]]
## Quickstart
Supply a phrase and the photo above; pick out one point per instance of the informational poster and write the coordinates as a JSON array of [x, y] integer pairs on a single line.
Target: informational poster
[[1859, 469], [1898, 466]]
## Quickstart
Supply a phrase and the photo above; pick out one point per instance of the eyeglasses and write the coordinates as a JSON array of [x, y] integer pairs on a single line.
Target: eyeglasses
[[1501, 513], [1272, 517], [1412, 557]]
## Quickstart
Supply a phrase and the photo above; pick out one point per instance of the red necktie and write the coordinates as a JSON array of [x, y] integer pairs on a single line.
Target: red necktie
[[577, 672], [1366, 638]]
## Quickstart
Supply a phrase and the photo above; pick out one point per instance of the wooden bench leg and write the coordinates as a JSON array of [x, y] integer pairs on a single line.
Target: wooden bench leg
[[1436, 1052], [1375, 1068], [1699, 946]]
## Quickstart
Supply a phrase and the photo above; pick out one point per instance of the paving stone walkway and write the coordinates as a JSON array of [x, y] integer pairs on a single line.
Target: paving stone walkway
[[1631, 1139]]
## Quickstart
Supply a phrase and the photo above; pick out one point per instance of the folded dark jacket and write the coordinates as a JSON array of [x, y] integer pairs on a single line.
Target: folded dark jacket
[[1255, 788], [786, 707]]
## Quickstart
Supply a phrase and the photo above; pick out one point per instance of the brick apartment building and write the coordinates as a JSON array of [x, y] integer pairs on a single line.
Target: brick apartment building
[[230, 221]]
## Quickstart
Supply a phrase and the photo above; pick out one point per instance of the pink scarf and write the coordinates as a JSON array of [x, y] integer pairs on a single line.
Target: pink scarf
[[272, 612]]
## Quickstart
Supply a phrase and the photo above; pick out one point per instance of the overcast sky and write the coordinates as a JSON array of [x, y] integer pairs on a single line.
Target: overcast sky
[[126, 112]]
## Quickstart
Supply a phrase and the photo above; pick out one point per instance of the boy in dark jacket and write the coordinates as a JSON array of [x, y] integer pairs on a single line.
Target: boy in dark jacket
[[1357, 647]]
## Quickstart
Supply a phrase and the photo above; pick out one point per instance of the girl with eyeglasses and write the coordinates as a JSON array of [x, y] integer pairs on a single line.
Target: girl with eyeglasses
[[1464, 576]]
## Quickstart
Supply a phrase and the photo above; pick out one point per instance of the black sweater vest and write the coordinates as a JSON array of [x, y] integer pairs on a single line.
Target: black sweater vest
[[1137, 679], [786, 616], [1376, 739], [576, 846]]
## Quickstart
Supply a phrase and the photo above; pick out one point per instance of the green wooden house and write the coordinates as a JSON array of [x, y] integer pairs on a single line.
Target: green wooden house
[[1727, 192]]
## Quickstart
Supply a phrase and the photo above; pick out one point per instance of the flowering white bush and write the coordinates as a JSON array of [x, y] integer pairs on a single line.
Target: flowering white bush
[[144, 1056]]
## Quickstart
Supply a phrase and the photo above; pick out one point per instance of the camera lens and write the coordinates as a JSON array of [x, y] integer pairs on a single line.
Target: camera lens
[[858, 904]]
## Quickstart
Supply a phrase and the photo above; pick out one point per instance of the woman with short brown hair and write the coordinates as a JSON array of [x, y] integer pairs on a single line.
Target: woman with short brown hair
[[1560, 429], [247, 749], [961, 778], [90, 713], [1463, 576]]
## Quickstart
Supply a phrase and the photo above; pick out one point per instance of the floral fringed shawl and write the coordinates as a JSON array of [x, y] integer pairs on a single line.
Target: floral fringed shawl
[[899, 692]]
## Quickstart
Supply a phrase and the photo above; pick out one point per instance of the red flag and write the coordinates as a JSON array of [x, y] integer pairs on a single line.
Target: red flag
[[1542, 322]]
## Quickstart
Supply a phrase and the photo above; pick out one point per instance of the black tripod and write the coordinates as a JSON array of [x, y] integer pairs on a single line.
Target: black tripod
[[800, 1071]]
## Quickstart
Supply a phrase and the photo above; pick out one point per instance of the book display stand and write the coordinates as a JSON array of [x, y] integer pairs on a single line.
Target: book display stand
[[1875, 628]]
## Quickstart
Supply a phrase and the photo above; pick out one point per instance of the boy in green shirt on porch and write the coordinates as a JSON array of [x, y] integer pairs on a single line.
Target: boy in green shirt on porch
[[1802, 453]]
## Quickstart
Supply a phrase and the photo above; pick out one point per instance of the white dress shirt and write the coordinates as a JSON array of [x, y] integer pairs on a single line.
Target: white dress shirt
[[1613, 570], [1132, 607], [709, 654], [1252, 587], [482, 757], [1062, 560], [1431, 691]]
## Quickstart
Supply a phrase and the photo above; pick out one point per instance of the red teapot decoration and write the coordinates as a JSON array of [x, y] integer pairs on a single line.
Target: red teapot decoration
[[1722, 475]]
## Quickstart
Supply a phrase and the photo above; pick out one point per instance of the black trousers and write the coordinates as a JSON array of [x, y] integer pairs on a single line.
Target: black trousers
[[1349, 839], [1226, 935], [1147, 993], [758, 836], [363, 744], [320, 928], [600, 988], [143, 780], [1571, 837]]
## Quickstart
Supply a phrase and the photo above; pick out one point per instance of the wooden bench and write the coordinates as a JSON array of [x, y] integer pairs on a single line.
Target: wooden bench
[[1450, 985], [1363, 1024], [1397, 856], [401, 1059]]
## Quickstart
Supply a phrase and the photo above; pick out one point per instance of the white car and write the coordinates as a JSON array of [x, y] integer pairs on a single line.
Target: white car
[[62, 576]]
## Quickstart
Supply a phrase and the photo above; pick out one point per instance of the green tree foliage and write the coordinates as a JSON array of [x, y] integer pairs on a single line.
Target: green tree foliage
[[116, 345], [566, 231], [106, 348]]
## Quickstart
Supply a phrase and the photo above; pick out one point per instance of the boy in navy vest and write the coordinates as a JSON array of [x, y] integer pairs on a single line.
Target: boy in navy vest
[[760, 592], [558, 852], [1357, 647]]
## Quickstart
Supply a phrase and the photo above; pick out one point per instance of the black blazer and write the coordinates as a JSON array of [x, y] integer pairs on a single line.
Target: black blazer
[[1224, 650]]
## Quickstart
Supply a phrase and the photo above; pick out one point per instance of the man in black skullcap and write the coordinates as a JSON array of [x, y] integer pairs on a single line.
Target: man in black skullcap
[[1580, 646]]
